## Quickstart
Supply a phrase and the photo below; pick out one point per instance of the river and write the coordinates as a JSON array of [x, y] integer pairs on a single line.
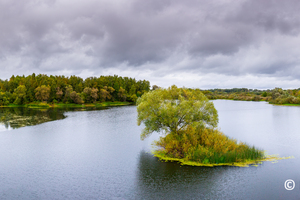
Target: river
[[99, 155]]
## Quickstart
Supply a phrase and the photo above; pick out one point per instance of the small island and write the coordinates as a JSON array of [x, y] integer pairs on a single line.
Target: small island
[[189, 121]]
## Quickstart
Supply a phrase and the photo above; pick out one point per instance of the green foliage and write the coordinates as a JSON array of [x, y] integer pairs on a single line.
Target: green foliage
[[20, 94], [275, 96], [204, 145], [189, 120], [132, 98], [106, 93], [42, 93], [90, 94], [76, 98], [68, 91], [122, 94], [264, 94], [3, 99], [58, 93], [49, 88], [94, 94], [87, 95], [173, 109]]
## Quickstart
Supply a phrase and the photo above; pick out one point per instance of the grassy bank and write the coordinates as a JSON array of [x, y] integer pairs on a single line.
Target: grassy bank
[[207, 147], [245, 163], [68, 105]]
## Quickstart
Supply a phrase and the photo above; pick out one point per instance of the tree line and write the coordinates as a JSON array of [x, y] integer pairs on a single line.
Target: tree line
[[55, 89], [276, 95]]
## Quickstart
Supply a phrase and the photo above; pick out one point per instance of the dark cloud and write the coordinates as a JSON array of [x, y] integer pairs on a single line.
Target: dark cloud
[[223, 37], [282, 16]]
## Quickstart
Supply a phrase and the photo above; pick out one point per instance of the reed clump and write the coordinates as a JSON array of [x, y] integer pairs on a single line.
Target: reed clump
[[205, 146]]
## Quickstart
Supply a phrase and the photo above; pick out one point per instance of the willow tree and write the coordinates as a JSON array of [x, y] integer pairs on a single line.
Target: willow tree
[[174, 109]]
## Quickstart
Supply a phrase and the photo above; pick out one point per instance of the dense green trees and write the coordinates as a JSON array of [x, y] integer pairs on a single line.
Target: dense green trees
[[73, 89]]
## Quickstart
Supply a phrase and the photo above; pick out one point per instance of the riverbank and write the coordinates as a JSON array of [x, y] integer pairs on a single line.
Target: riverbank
[[68, 105], [275, 104]]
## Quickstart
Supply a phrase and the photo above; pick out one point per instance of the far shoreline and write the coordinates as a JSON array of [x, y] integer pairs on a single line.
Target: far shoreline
[[286, 104]]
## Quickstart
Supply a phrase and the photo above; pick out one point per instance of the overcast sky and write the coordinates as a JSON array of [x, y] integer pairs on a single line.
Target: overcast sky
[[191, 43]]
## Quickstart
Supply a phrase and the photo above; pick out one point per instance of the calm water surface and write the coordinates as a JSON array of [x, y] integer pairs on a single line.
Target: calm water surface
[[99, 155]]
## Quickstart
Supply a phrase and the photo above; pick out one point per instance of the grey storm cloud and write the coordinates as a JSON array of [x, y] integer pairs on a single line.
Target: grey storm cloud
[[225, 37]]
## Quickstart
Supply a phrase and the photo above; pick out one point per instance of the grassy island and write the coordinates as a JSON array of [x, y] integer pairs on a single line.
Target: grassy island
[[189, 121], [206, 147]]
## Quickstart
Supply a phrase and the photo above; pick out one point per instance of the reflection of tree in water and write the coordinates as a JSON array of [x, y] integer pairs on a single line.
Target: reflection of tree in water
[[20, 117], [170, 180]]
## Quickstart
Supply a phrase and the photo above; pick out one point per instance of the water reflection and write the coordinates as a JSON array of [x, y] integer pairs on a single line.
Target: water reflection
[[170, 179], [12, 118], [161, 180]]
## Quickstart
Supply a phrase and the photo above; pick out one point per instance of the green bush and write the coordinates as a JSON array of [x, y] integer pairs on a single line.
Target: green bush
[[206, 146]]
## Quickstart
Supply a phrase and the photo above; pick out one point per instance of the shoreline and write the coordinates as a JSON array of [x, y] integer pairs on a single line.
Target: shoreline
[[258, 101], [69, 105], [247, 163]]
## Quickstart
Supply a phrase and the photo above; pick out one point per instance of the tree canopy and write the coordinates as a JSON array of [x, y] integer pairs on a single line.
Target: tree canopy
[[174, 109], [73, 89]]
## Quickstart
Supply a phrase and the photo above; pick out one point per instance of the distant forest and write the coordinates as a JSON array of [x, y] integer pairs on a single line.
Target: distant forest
[[275, 96], [55, 89], [21, 90]]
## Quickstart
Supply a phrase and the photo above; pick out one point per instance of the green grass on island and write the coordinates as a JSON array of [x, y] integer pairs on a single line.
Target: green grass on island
[[208, 147]]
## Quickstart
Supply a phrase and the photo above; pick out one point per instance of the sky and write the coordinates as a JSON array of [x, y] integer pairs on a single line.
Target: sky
[[192, 43]]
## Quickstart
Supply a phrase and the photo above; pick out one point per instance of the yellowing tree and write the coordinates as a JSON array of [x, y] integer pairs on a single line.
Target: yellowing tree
[[105, 93], [59, 93], [122, 94], [87, 94], [76, 97], [42, 93], [94, 94], [174, 109]]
